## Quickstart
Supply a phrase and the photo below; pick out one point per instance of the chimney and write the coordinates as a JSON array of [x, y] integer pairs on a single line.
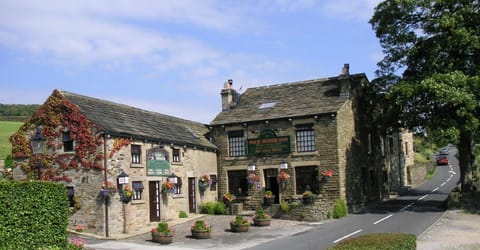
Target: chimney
[[228, 95], [344, 81]]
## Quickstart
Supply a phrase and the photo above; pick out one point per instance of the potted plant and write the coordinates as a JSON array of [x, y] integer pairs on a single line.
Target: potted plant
[[108, 189], [308, 197], [200, 230], [167, 187], [268, 198], [203, 182], [283, 178], [162, 233], [251, 178], [261, 219], [326, 175], [239, 224], [126, 194]]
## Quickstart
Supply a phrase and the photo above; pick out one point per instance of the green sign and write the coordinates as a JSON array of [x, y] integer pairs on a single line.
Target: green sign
[[157, 162], [273, 145]]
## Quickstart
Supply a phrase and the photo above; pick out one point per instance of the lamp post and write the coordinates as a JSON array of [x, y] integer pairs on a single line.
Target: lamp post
[[38, 143]]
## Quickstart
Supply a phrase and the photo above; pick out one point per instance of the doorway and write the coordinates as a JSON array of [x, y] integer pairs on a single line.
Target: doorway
[[192, 199], [271, 182], [154, 195]]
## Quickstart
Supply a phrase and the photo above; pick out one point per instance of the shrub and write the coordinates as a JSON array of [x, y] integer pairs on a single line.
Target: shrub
[[220, 208], [339, 209], [392, 241], [208, 208], [182, 214], [284, 207], [34, 214]]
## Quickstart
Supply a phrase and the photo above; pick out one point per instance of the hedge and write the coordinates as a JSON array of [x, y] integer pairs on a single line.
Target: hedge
[[34, 215], [381, 241]]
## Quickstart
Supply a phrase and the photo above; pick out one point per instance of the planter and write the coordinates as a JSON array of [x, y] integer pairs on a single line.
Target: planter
[[308, 200], [261, 222], [105, 192], [125, 199], [162, 238], [268, 201], [19, 155], [239, 228], [200, 234]]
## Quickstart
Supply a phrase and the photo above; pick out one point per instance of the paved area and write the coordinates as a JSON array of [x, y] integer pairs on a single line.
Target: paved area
[[454, 230], [221, 238]]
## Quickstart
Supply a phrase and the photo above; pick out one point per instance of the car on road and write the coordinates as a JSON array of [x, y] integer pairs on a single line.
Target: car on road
[[444, 151], [442, 160]]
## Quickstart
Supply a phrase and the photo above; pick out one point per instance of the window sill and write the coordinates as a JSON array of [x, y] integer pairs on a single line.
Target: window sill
[[304, 154], [136, 165], [137, 202], [177, 163], [177, 196], [235, 158]]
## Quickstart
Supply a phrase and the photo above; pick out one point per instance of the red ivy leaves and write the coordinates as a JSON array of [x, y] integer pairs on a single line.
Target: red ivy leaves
[[118, 144]]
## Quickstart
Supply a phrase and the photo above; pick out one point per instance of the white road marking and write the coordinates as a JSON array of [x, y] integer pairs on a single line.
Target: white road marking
[[348, 235], [435, 189], [443, 184], [423, 197], [382, 219], [407, 206]]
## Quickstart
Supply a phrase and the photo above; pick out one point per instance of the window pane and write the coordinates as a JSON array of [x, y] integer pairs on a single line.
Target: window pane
[[136, 153], [67, 142], [176, 155], [236, 143], [306, 179], [237, 183], [305, 136], [137, 187]]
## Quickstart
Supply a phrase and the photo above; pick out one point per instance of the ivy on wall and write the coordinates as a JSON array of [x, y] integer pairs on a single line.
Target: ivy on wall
[[56, 116]]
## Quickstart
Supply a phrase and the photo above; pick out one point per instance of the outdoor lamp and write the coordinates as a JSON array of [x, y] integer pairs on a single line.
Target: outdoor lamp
[[251, 167], [283, 165], [122, 178], [38, 143]]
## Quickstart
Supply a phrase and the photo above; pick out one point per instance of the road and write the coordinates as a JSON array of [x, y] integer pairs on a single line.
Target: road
[[413, 212]]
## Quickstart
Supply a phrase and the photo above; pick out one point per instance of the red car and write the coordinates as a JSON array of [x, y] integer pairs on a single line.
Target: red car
[[442, 160]]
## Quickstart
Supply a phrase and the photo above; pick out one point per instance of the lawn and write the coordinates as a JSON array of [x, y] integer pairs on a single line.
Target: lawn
[[6, 130]]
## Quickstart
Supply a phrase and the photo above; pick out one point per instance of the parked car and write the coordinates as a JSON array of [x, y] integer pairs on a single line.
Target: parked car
[[444, 151], [442, 160]]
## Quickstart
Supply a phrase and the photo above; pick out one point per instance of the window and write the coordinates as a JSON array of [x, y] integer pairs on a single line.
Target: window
[[136, 153], [137, 188], [267, 105], [176, 187], [236, 143], [406, 148], [305, 138], [176, 155], [237, 183], [306, 179], [67, 142], [213, 186]]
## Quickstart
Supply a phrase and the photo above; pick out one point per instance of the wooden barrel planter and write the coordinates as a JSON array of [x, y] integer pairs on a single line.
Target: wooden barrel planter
[[200, 234], [239, 228], [261, 222], [162, 238]]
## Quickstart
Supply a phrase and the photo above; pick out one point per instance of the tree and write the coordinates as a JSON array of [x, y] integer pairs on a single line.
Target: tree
[[437, 45]]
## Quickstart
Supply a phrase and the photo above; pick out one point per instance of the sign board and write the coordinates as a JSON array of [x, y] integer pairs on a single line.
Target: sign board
[[157, 162], [269, 143]]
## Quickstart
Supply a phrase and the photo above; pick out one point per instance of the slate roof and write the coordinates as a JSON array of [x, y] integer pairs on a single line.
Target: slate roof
[[295, 99], [126, 121]]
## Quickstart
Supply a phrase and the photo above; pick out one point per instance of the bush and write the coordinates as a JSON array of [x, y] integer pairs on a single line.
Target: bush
[[220, 208], [182, 214], [392, 241], [34, 215], [213, 208], [284, 207], [339, 209]]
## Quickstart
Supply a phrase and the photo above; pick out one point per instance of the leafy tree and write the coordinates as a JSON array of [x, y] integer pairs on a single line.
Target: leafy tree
[[436, 43]]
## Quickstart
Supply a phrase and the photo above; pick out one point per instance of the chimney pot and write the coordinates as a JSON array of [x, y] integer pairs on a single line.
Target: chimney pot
[[345, 69]]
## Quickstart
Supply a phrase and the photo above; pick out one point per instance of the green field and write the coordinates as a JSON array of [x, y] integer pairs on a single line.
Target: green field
[[6, 130]]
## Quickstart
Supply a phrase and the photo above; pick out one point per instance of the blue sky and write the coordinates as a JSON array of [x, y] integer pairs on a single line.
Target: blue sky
[[173, 57]]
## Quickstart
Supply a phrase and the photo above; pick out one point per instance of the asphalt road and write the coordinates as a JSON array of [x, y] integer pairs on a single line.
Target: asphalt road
[[413, 212]]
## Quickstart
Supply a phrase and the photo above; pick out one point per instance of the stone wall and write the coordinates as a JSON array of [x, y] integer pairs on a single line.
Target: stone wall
[[418, 172]]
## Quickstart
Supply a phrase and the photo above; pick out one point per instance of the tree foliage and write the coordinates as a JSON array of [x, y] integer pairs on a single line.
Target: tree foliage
[[436, 43]]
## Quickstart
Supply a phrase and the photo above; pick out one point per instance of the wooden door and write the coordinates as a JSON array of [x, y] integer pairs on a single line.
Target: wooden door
[[192, 199], [154, 194]]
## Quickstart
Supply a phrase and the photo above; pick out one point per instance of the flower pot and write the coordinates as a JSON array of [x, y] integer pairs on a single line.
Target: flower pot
[[162, 238], [200, 234], [105, 192], [268, 201], [261, 222], [239, 228]]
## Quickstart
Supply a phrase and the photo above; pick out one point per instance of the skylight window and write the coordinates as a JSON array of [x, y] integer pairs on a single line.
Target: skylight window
[[267, 105]]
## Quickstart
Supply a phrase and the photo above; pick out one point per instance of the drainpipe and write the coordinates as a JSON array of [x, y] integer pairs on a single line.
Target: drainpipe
[[105, 178]]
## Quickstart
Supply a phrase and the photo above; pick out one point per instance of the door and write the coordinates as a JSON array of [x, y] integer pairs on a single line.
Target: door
[[271, 182], [154, 195], [192, 199]]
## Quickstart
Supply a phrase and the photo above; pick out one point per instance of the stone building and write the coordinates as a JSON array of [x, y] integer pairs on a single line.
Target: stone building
[[92, 145], [301, 132]]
